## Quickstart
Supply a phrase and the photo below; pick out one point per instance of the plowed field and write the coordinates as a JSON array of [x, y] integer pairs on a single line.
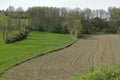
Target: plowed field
[[88, 52]]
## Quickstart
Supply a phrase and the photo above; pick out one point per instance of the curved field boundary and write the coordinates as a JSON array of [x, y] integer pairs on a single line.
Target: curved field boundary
[[88, 52], [37, 44]]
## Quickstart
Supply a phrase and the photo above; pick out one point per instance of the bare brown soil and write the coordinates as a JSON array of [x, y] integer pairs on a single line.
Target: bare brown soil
[[88, 52]]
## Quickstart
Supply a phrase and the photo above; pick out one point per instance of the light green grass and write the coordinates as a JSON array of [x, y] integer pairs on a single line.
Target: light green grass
[[37, 43], [104, 73]]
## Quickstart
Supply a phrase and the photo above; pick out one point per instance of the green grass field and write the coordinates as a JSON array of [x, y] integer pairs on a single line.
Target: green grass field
[[104, 73], [37, 43]]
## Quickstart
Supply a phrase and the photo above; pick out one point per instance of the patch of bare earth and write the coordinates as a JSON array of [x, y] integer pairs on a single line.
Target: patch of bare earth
[[88, 52]]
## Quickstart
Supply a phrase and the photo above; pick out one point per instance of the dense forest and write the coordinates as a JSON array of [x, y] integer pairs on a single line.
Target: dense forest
[[16, 23]]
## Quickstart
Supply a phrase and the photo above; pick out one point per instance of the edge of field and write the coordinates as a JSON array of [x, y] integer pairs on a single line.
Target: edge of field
[[110, 72], [44, 53]]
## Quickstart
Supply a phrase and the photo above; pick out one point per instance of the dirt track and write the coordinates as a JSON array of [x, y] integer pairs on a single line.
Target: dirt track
[[91, 51]]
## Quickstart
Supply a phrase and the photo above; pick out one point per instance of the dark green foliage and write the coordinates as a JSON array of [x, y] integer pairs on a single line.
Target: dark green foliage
[[88, 27], [61, 20], [100, 24], [114, 20], [15, 22], [15, 38]]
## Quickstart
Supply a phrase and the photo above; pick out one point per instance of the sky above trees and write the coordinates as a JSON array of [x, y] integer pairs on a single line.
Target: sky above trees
[[92, 4]]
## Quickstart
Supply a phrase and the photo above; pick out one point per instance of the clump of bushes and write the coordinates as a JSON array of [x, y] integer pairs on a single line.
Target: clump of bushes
[[17, 37]]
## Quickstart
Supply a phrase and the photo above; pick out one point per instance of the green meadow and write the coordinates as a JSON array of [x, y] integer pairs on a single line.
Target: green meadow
[[36, 44]]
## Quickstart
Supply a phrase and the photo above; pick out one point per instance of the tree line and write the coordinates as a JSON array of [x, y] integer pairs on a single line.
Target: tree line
[[16, 23], [13, 25]]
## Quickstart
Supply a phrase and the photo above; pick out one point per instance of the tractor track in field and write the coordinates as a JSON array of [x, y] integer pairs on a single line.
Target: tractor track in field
[[88, 52]]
